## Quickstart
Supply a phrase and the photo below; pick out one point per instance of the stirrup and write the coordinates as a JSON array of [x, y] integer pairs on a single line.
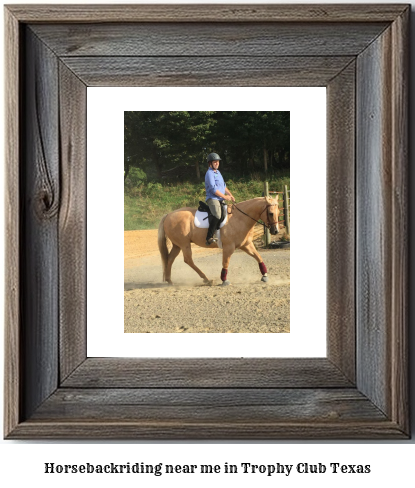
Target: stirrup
[[211, 240]]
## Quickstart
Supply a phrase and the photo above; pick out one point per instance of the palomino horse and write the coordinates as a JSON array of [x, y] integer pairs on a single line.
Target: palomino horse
[[237, 233]]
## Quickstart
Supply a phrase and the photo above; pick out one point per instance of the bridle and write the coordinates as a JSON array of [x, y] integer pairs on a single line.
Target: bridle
[[268, 226]]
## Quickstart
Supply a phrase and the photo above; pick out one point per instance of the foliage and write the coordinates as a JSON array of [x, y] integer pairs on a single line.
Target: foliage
[[246, 141], [145, 205], [135, 178], [165, 158]]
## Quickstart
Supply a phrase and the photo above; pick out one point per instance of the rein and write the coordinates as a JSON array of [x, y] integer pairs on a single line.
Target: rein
[[268, 226]]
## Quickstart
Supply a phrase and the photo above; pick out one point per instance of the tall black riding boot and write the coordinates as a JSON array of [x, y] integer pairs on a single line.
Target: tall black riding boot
[[213, 226]]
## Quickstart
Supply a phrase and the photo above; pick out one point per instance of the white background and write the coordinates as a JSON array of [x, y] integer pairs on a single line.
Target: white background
[[392, 463], [105, 256]]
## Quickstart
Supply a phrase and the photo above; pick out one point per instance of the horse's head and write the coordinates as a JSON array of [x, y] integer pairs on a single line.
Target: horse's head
[[273, 212]]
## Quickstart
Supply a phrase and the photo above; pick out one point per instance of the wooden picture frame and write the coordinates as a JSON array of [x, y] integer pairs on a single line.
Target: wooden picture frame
[[359, 391]]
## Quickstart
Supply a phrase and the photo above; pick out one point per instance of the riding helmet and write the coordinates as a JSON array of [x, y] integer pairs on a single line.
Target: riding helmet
[[213, 157]]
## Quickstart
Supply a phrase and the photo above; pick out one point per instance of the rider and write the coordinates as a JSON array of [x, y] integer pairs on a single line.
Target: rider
[[216, 192]]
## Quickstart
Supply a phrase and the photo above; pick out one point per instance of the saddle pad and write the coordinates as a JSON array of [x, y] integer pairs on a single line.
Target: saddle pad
[[202, 221]]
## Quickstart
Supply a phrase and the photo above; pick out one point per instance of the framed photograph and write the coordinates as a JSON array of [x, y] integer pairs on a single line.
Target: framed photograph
[[193, 319], [358, 390], [172, 175]]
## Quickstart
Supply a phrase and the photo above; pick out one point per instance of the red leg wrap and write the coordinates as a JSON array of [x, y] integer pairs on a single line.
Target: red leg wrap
[[263, 268], [224, 274]]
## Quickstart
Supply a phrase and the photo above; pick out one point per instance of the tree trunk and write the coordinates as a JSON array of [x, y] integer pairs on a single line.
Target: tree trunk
[[157, 163], [126, 171], [250, 160], [265, 161], [197, 170], [280, 159]]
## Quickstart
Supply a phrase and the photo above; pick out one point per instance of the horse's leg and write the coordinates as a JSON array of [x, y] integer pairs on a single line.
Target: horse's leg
[[251, 251], [172, 256], [226, 257], [187, 255]]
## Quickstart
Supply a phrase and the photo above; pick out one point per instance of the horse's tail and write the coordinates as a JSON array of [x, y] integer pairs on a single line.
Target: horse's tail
[[164, 252]]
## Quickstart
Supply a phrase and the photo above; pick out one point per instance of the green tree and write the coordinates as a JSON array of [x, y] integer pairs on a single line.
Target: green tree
[[246, 141]]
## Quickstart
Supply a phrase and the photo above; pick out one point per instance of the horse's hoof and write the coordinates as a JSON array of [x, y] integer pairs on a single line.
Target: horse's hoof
[[264, 278], [226, 283], [208, 282], [169, 283]]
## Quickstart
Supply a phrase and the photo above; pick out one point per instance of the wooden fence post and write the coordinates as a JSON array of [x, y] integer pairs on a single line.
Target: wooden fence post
[[287, 210], [267, 234]]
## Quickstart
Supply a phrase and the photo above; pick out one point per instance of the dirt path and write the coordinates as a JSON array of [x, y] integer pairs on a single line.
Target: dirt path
[[247, 305]]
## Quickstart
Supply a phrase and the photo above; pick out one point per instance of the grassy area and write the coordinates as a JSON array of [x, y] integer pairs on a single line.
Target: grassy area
[[146, 204]]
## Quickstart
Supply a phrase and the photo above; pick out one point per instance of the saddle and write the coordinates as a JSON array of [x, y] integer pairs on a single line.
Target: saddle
[[203, 213], [203, 207]]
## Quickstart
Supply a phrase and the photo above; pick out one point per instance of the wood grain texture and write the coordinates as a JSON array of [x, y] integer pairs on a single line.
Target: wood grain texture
[[40, 204], [373, 221], [362, 430], [209, 405], [179, 39], [207, 399], [341, 233], [206, 13], [372, 304], [13, 383], [382, 252], [147, 429], [206, 373], [207, 71], [72, 222], [399, 224]]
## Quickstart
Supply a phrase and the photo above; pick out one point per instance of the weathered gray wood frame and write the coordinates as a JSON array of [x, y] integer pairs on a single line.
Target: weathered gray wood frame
[[359, 52]]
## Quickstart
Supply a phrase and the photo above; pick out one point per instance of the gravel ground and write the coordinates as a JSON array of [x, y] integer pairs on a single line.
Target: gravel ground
[[247, 305]]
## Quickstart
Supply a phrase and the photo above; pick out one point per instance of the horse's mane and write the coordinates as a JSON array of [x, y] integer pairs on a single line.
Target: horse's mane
[[250, 200], [256, 198], [228, 203]]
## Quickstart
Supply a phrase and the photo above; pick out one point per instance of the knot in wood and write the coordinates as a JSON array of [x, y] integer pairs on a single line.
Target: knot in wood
[[46, 206]]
